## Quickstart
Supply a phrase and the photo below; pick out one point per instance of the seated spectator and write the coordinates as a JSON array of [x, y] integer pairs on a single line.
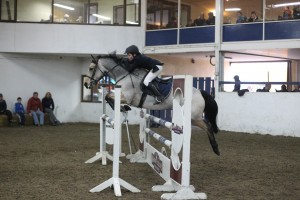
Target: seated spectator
[[253, 17], [287, 13], [240, 18], [79, 19], [172, 23], [211, 19], [296, 88], [200, 21], [296, 12], [20, 112], [48, 105], [35, 109], [283, 89], [190, 23], [66, 18], [266, 88], [237, 85], [3, 109]]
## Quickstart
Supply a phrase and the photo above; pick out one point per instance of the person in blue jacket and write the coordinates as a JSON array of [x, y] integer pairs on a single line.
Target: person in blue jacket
[[20, 111]]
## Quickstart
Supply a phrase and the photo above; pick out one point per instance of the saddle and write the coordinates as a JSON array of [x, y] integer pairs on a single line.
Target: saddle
[[163, 85]]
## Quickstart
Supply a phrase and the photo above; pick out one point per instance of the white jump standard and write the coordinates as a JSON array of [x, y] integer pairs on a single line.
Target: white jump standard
[[115, 181], [176, 173]]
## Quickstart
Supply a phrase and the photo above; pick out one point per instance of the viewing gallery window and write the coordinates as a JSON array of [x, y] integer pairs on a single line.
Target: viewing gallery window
[[112, 12], [7, 11]]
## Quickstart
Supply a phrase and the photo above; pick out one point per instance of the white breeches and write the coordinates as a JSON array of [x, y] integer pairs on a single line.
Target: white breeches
[[150, 76]]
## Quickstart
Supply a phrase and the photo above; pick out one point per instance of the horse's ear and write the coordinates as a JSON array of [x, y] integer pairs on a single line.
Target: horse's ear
[[113, 53], [94, 59]]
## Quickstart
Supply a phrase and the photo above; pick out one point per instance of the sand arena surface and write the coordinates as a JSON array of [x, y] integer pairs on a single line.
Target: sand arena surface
[[48, 163]]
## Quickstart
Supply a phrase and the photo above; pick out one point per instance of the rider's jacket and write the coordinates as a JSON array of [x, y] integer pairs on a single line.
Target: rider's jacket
[[142, 61]]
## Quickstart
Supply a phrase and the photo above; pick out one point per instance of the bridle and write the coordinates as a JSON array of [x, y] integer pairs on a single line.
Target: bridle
[[104, 73]]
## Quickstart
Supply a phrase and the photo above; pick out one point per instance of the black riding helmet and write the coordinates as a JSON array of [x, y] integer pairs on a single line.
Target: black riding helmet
[[132, 49]]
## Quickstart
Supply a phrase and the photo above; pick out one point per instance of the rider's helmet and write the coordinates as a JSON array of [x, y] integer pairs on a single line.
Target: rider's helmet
[[132, 49]]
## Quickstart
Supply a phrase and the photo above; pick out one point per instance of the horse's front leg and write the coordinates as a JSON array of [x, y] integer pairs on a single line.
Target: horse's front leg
[[110, 99], [205, 125]]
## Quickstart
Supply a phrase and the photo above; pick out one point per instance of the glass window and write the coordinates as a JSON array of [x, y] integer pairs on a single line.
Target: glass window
[[70, 11], [241, 11], [7, 10], [197, 13], [34, 10], [132, 12], [161, 14], [106, 12], [282, 9]]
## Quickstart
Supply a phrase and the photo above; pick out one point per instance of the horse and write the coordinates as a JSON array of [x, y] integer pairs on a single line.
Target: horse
[[114, 66]]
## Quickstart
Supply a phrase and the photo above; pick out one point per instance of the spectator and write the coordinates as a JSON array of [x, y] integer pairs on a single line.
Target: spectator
[[200, 21], [266, 88], [296, 88], [20, 112], [287, 13], [253, 17], [48, 105], [283, 89], [3, 109], [172, 23], [240, 17], [296, 12], [190, 23], [237, 85], [35, 109], [211, 19]]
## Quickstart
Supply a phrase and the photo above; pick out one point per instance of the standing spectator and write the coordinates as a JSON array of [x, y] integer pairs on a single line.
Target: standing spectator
[[283, 89], [266, 88], [237, 85], [172, 23], [3, 109], [253, 17], [287, 13], [296, 12], [211, 19], [240, 18], [296, 88], [35, 109], [190, 23], [19, 109], [200, 21], [48, 105]]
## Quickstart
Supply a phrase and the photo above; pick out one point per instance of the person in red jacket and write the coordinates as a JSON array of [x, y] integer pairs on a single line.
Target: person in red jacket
[[35, 109]]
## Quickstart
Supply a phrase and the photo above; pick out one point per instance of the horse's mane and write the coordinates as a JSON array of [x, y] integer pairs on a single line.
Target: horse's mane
[[112, 56]]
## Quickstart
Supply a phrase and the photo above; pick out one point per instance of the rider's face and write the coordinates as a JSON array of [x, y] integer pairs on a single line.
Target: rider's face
[[130, 56]]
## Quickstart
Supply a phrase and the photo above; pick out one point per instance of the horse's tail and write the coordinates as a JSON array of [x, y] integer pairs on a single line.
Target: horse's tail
[[210, 110]]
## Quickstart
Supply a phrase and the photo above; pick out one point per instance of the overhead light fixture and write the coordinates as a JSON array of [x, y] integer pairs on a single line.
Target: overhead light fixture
[[286, 4], [130, 22], [63, 6], [101, 17], [232, 9]]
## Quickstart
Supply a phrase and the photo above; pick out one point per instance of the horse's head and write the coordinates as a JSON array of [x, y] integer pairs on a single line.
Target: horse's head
[[103, 66]]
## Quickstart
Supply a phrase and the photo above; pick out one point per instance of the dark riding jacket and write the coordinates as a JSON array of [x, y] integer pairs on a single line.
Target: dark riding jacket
[[142, 61]]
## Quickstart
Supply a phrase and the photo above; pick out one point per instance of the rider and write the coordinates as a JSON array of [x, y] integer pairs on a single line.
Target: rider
[[154, 67]]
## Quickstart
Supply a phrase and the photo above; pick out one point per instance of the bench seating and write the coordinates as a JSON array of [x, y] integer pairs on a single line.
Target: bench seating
[[15, 120]]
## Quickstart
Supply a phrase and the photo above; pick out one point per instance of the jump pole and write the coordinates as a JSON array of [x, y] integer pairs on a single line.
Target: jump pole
[[115, 180], [107, 130]]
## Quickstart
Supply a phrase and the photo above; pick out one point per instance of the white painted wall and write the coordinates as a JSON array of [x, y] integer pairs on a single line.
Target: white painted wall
[[67, 39], [265, 113], [23, 74]]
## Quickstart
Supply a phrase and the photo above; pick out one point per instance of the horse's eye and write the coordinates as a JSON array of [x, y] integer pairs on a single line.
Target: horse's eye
[[90, 69]]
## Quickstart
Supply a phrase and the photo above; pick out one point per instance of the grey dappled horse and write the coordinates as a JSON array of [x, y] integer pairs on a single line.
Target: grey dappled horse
[[114, 67]]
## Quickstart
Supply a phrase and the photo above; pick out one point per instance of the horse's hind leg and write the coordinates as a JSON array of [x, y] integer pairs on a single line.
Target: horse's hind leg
[[205, 125]]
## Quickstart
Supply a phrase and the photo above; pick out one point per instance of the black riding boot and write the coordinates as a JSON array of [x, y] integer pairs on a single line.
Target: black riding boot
[[159, 97]]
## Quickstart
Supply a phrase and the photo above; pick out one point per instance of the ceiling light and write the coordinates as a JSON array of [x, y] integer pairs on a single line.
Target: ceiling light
[[286, 4], [63, 6], [101, 17], [130, 22], [232, 9]]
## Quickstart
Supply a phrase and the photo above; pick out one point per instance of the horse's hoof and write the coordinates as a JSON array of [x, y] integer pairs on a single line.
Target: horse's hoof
[[217, 151]]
